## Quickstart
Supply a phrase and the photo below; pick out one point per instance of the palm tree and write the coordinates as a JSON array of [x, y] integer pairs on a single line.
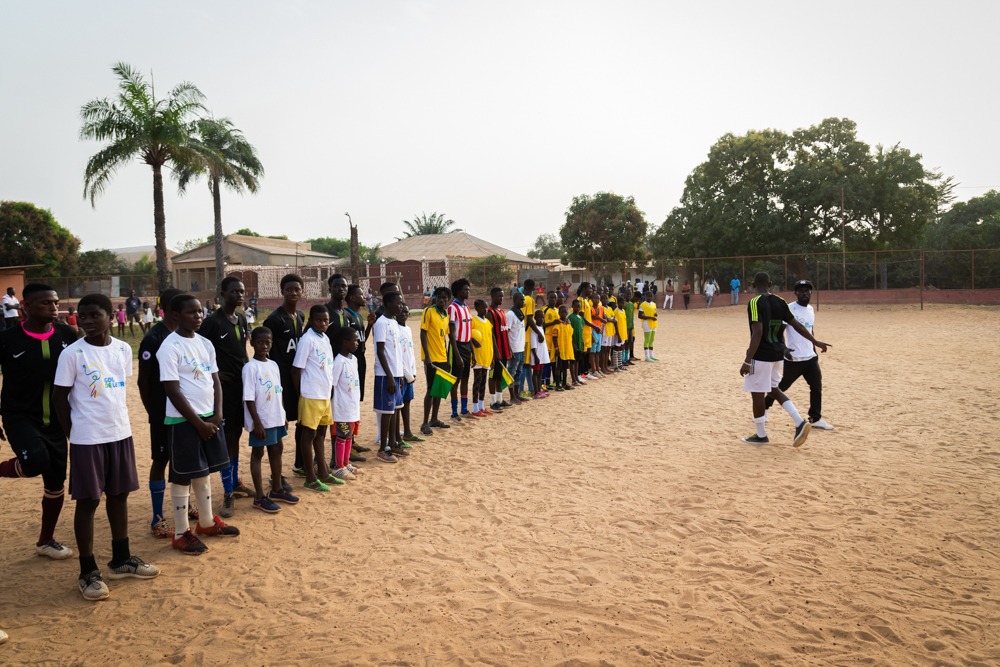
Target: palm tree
[[435, 223], [227, 159], [137, 125]]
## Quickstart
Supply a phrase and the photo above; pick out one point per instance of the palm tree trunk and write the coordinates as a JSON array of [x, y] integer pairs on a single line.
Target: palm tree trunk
[[160, 230], [217, 207]]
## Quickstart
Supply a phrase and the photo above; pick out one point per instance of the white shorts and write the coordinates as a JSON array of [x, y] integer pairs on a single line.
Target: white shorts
[[763, 376]]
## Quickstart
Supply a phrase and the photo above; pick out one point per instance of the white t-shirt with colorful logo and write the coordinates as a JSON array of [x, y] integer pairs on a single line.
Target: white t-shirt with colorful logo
[[386, 330], [96, 376], [190, 361], [262, 385], [346, 389], [315, 357]]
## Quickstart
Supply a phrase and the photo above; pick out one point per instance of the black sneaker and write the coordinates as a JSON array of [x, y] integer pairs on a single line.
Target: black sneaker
[[357, 458], [755, 440], [285, 486], [801, 433], [426, 430], [361, 448], [437, 423]]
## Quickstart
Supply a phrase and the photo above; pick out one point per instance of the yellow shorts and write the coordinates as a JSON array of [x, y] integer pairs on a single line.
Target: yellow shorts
[[315, 412]]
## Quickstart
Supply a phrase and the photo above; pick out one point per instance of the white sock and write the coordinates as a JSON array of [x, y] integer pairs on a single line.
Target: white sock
[[792, 412], [202, 488], [758, 423], [180, 495]]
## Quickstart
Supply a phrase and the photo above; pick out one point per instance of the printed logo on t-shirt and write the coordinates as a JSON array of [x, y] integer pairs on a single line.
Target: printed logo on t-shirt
[[98, 379], [270, 388], [198, 369], [321, 357]]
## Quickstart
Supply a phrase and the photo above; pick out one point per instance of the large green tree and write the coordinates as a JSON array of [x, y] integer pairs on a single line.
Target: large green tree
[[435, 223], [31, 235], [226, 159], [137, 125], [101, 262], [768, 192], [604, 227], [968, 225], [547, 246], [342, 248]]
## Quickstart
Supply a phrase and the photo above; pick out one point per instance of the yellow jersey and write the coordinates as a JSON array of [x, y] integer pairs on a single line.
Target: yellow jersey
[[551, 315], [648, 309], [611, 324], [587, 311], [564, 339], [622, 325], [437, 327], [482, 355]]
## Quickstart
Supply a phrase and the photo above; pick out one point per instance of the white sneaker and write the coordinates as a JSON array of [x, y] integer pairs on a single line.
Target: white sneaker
[[823, 425], [354, 470], [54, 550], [93, 587], [591, 376], [133, 567], [3, 637], [343, 473]]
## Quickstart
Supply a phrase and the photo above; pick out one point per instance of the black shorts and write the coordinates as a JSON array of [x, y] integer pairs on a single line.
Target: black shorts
[[106, 468], [465, 350], [232, 405], [159, 451], [41, 450], [289, 397], [193, 458], [362, 369]]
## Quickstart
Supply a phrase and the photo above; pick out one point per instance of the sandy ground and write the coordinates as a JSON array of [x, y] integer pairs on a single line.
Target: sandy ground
[[620, 524]]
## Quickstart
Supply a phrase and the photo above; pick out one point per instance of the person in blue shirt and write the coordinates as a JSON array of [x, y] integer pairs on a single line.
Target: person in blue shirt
[[734, 294]]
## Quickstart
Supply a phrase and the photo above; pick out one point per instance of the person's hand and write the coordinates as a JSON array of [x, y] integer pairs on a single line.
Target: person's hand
[[745, 368], [258, 430], [390, 384], [371, 318], [216, 419], [206, 429], [476, 343], [822, 346]]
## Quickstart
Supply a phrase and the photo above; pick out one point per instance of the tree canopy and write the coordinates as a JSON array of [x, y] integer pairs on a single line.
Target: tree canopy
[[137, 125], [968, 225], [547, 246], [435, 223], [768, 192], [604, 228], [31, 235], [342, 248], [101, 262], [490, 271]]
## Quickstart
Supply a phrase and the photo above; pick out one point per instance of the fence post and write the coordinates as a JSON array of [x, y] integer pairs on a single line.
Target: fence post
[[875, 277], [973, 269], [921, 279]]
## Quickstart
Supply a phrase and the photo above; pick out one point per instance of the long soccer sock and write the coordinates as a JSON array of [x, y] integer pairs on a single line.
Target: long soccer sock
[[227, 479], [156, 490], [202, 489], [52, 503], [11, 468], [180, 496], [454, 406], [465, 404], [792, 412], [234, 464], [759, 424], [342, 452]]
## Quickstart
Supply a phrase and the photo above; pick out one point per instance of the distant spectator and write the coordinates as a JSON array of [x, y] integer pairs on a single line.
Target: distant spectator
[[11, 308], [734, 294]]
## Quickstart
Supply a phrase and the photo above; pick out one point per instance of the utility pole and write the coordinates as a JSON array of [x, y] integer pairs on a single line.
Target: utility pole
[[355, 258], [843, 238]]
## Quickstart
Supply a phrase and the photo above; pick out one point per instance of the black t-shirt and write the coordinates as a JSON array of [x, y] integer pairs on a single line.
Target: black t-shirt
[[356, 323], [29, 370], [150, 367], [285, 333], [772, 312], [229, 341], [132, 305]]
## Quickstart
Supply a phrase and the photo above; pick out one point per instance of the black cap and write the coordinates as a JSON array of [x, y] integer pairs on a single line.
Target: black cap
[[803, 283]]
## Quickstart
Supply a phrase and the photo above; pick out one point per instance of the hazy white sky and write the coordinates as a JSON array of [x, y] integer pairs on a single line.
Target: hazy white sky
[[494, 113]]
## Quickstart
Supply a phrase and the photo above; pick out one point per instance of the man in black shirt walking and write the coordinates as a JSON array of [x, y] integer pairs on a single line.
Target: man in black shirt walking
[[761, 370]]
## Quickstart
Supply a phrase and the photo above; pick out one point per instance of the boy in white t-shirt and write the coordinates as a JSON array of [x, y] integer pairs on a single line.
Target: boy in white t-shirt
[[312, 373], [388, 394], [264, 418], [346, 401], [89, 397], [539, 353], [190, 378], [409, 360]]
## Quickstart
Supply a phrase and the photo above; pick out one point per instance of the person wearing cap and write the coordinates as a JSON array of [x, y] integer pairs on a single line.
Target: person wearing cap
[[801, 359]]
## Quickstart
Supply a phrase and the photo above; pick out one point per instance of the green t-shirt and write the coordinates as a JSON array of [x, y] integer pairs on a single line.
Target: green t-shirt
[[629, 309], [577, 322]]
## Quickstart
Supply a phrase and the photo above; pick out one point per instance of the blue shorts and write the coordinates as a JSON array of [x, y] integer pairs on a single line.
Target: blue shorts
[[596, 345], [271, 436], [407, 391], [386, 403]]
